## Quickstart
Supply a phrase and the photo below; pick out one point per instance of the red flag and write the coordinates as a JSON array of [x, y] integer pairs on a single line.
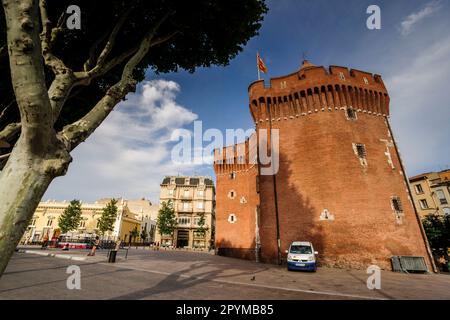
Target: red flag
[[261, 66]]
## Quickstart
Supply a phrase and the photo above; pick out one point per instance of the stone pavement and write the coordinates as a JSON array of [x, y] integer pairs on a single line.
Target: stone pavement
[[147, 274]]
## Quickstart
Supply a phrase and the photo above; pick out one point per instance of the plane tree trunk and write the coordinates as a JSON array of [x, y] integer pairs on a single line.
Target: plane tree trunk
[[38, 156]]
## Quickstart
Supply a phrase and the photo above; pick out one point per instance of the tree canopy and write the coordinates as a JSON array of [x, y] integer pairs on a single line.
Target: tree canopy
[[192, 34], [58, 84], [71, 217], [167, 220], [108, 217], [437, 228]]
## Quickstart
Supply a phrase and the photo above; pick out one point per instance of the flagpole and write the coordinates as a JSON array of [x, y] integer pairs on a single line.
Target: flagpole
[[257, 65]]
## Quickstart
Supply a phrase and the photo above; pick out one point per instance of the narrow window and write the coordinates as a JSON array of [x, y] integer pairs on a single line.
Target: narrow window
[[424, 204], [233, 175], [419, 189], [397, 205], [351, 114], [361, 149], [441, 196], [360, 152]]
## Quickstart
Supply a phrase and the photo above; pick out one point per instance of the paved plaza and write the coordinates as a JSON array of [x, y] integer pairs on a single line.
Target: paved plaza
[[148, 274]]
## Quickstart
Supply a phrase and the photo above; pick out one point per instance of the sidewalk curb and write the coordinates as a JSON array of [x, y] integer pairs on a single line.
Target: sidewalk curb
[[53, 255]]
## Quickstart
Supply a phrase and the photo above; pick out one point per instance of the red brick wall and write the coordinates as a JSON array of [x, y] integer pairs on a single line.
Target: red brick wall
[[319, 170], [236, 239]]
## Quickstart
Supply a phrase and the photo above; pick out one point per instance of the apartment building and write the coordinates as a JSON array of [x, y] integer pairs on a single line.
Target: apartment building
[[191, 198], [431, 192]]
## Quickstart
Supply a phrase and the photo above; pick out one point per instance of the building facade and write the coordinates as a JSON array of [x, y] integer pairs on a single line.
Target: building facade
[[340, 182], [191, 198], [45, 221], [431, 193]]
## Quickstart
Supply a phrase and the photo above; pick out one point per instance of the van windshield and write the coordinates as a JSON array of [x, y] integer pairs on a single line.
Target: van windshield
[[301, 249]]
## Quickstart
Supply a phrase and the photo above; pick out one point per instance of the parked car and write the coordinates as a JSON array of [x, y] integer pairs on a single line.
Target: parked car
[[301, 256]]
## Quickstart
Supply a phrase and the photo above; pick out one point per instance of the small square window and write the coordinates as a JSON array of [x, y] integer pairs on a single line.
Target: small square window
[[232, 218], [446, 211], [232, 194]]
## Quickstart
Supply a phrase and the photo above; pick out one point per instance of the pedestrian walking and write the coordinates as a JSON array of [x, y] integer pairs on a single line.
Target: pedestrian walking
[[45, 241], [94, 247]]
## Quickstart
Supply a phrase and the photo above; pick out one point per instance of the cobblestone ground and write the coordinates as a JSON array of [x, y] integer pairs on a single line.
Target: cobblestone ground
[[148, 274]]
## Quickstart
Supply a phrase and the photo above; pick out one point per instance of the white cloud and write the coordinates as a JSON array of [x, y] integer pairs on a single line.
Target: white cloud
[[129, 154], [420, 107], [410, 21]]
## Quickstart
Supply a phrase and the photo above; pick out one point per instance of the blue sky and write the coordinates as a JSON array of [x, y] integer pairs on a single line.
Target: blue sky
[[130, 153]]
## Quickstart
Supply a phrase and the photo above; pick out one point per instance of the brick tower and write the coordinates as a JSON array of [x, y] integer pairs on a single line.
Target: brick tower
[[340, 183]]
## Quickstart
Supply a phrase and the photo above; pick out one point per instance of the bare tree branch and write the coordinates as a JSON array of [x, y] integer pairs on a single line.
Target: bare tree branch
[[10, 131], [4, 156], [3, 51], [86, 77], [58, 29], [6, 108], [89, 64], [51, 60], [64, 78], [112, 37], [80, 130], [164, 38]]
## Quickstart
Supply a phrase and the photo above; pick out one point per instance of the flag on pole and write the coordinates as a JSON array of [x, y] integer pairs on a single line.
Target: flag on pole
[[261, 66]]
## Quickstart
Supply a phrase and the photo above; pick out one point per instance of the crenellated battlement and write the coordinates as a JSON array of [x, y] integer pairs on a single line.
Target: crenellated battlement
[[313, 89], [236, 158]]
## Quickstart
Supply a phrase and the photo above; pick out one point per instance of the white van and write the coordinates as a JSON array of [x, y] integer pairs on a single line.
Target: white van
[[301, 256]]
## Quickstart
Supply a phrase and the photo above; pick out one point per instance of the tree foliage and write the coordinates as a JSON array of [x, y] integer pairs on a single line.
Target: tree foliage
[[194, 34], [167, 220], [71, 217], [201, 224], [134, 234], [58, 85], [108, 217], [437, 228], [144, 233]]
